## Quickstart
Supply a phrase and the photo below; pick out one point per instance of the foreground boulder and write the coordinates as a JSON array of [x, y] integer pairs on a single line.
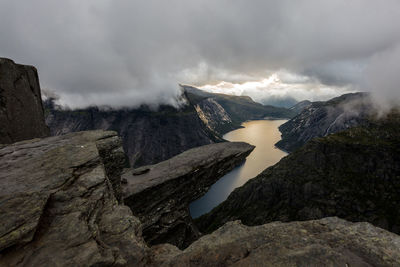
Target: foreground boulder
[[58, 204], [21, 110], [326, 242], [353, 174], [160, 194]]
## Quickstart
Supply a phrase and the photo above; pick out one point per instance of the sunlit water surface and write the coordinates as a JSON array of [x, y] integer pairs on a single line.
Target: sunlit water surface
[[263, 134]]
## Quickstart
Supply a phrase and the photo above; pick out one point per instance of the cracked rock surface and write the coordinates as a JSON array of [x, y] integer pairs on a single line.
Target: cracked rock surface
[[58, 204], [160, 194], [326, 242], [21, 110], [58, 208]]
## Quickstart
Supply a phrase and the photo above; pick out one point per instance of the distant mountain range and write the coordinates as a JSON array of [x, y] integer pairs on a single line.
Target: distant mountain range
[[148, 136], [300, 106], [151, 136], [224, 113]]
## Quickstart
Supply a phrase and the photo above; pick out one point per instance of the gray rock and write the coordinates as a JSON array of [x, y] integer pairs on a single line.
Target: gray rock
[[57, 208], [160, 197], [149, 136], [325, 242], [318, 119], [299, 107], [214, 115], [58, 204], [21, 110]]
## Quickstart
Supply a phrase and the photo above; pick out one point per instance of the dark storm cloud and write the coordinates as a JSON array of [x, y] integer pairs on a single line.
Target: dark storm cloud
[[130, 52]]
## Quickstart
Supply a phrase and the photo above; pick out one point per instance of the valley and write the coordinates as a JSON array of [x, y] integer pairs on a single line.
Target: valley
[[263, 134], [120, 187]]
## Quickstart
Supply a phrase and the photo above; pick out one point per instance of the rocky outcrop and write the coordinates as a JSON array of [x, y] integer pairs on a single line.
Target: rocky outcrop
[[354, 175], [318, 119], [58, 204], [159, 195], [58, 208], [148, 136], [21, 110], [326, 242], [224, 113]]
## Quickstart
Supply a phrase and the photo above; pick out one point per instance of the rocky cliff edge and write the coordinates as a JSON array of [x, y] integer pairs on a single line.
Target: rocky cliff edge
[[160, 194], [21, 110], [59, 207], [58, 204]]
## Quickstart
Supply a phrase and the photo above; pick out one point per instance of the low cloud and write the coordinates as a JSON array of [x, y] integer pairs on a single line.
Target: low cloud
[[126, 53], [281, 89]]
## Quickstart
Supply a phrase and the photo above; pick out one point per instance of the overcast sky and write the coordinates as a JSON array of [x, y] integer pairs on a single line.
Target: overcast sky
[[128, 52]]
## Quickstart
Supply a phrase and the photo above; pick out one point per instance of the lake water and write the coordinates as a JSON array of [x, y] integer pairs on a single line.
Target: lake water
[[263, 134]]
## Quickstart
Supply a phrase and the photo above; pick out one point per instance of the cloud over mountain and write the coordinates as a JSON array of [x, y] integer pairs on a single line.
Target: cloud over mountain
[[124, 53]]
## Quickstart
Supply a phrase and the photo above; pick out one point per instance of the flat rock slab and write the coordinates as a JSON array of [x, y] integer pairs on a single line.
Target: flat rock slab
[[326, 242], [189, 161], [160, 194], [58, 204]]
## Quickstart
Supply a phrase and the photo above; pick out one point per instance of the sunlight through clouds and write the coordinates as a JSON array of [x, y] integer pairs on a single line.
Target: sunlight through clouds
[[281, 86]]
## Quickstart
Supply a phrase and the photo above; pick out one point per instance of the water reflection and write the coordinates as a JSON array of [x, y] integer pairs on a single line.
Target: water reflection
[[261, 133]]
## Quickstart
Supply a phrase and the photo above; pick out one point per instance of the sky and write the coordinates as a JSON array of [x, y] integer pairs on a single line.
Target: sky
[[131, 52]]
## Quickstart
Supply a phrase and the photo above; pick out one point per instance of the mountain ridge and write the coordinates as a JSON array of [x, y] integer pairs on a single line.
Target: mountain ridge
[[238, 108], [321, 118], [353, 174]]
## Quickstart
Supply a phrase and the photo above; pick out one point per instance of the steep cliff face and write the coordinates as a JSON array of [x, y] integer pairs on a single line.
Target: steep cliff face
[[160, 194], [21, 110], [318, 119], [148, 136], [58, 203], [353, 174], [224, 113], [214, 116], [58, 208]]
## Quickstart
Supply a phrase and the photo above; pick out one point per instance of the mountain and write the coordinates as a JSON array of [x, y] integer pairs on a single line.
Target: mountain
[[21, 110], [354, 174], [151, 136], [59, 208], [318, 119], [233, 110], [299, 107], [62, 202], [279, 101], [148, 136]]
